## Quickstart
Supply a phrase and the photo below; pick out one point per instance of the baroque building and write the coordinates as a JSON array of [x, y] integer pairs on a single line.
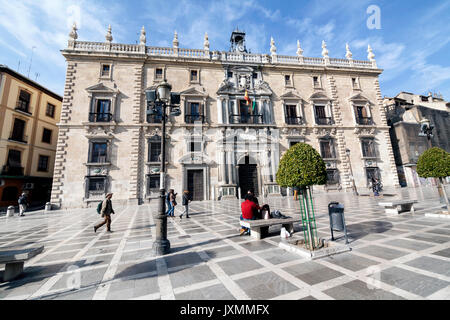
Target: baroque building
[[29, 113], [221, 145]]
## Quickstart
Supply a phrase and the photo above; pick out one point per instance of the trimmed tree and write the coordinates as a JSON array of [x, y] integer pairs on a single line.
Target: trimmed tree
[[302, 167], [435, 163]]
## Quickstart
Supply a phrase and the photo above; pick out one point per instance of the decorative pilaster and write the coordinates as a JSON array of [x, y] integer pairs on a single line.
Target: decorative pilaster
[[343, 164], [136, 183], [61, 145], [387, 138]]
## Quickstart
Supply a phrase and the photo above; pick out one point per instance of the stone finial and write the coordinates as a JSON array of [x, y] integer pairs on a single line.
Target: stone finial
[[273, 49], [143, 38], [324, 49], [175, 40], [371, 55], [299, 49], [73, 33], [108, 36], [206, 42], [348, 53]]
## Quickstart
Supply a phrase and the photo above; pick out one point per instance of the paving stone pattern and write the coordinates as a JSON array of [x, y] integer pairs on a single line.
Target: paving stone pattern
[[392, 257]]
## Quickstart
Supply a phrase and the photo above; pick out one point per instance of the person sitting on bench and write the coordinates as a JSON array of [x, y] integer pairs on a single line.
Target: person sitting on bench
[[249, 211]]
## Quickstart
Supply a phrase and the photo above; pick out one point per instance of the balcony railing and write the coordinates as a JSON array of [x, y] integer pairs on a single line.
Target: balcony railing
[[324, 120], [364, 121], [154, 118], [294, 120], [23, 106], [192, 118], [17, 138], [100, 117], [12, 171], [248, 118]]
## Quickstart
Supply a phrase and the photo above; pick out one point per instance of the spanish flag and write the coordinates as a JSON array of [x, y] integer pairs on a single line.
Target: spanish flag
[[246, 97]]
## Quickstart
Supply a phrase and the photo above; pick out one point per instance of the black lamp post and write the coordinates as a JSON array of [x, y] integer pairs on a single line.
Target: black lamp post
[[347, 151], [162, 97]]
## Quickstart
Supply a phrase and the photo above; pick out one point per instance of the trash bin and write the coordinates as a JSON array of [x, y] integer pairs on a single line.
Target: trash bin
[[337, 220]]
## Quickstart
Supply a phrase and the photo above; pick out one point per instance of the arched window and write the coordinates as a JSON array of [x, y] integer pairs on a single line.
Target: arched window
[[10, 194]]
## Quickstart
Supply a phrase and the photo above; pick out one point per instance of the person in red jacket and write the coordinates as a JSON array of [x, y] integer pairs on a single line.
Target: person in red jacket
[[249, 211]]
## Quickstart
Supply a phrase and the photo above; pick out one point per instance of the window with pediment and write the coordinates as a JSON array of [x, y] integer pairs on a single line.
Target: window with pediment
[[102, 104]]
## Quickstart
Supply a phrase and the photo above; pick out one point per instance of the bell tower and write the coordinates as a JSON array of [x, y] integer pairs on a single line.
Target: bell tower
[[237, 41]]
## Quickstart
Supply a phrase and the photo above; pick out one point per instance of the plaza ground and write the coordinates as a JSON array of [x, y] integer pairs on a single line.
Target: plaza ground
[[393, 257]]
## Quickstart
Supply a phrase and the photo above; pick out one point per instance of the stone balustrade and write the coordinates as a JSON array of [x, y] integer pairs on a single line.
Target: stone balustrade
[[85, 46]]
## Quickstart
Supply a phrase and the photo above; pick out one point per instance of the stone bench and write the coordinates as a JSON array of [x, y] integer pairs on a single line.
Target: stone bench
[[14, 258], [260, 228], [391, 207]]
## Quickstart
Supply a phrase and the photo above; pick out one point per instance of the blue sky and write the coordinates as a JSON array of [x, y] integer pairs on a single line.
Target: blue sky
[[412, 46]]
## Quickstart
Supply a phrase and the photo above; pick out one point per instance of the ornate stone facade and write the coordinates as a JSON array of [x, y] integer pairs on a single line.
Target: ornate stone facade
[[220, 146]]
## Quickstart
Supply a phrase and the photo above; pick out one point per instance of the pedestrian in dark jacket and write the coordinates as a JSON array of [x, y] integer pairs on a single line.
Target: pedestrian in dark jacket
[[185, 202], [106, 213], [23, 203]]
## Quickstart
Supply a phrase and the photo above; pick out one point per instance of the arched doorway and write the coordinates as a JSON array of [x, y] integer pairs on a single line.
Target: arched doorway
[[248, 177]]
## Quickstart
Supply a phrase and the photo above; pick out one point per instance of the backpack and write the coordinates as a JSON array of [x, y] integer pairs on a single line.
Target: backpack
[[99, 207]]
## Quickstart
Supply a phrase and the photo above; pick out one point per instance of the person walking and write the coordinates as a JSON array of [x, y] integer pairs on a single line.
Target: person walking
[[106, 213], [23, 203], [375, 187], [173, 202], [185, 202], [168, 203]]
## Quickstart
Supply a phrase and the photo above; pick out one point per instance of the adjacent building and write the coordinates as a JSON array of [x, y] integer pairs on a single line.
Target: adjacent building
[[221, 145], [405, 111], [28, 135]]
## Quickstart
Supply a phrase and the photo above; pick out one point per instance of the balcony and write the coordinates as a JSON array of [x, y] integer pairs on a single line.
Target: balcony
[[23, 106], [12, 171], [100, 117], [324, 121], [192, 118], [154, 118], [294, 120], [365, 121], [248, 118]]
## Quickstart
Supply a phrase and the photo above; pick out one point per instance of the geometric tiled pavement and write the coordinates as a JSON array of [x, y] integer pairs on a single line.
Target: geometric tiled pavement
[[401, 257]]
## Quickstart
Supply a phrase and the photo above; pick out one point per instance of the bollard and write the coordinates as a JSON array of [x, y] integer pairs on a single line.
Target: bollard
[[10, 211], [48, 206]]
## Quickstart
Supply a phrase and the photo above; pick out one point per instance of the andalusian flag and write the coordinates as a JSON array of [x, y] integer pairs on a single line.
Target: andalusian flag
[[254, 106], [246, 97]]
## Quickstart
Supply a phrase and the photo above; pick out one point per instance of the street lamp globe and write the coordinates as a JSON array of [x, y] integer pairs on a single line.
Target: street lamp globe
[[164, 91]]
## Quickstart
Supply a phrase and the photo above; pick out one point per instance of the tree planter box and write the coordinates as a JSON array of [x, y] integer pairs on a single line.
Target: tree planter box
[[328, 248]]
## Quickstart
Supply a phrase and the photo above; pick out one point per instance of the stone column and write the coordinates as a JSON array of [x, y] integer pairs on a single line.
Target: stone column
[[230, 167], [223, 158], [219, 111], [227, 111]]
